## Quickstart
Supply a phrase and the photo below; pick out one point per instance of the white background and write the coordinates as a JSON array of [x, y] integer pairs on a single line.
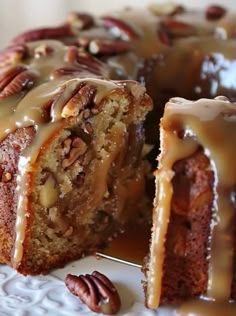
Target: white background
[[19, 15]]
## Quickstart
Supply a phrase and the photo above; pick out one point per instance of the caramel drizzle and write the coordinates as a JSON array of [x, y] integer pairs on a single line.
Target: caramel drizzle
[[210, 123]]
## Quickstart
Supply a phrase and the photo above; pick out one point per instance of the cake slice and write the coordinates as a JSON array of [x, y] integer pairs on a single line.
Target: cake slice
[[72, 172], [193, 249], [151, 45]]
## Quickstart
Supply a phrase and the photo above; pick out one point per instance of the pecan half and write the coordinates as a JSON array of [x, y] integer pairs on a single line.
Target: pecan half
[[15, 80], [13, 54], [44, 33], [80, 21], [79, 101], [77, 149], [49, 192], [215, 12], [43, 50], [108, 47], [164, 37], [95, 290], [85, 61], [125, 31]]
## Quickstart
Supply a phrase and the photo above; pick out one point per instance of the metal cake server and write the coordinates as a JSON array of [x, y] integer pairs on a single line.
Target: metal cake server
[[130, 247]]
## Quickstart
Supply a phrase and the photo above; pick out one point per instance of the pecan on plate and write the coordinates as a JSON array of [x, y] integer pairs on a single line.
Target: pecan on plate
[[95, 290]]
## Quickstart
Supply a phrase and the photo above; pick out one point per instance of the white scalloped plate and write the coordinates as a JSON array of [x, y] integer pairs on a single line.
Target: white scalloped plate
[[48, 296]]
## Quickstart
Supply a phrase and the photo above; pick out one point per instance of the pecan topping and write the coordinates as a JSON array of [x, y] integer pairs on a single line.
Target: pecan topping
[[84, 61], [66, 71], [126, 32], [79, 101], [93, 64], [84, 42], [13, 54], [15, 80], [176, 29], [44, 33], [95, 290], [164, 37], [215, 12], [166, 9], [80, 21], [108, 47], [76, 148]]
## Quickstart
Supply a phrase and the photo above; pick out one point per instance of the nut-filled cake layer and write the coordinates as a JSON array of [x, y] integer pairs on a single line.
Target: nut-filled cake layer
[[77, 175]]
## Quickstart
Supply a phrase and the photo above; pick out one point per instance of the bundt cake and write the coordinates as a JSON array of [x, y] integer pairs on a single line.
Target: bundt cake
[[72, 160], [193, 249]]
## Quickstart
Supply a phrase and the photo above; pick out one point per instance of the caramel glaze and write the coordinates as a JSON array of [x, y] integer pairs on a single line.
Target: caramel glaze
[[210, 124]]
